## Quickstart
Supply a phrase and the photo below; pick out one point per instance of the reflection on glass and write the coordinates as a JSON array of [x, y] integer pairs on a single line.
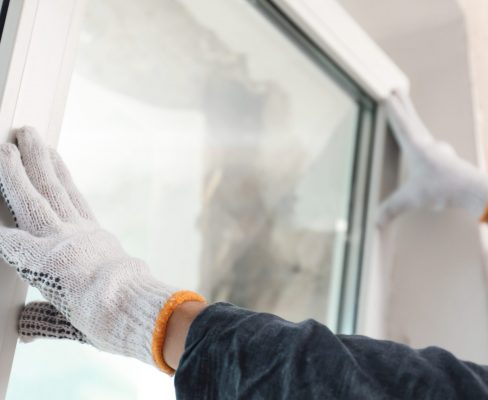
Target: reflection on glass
[[216, 151]]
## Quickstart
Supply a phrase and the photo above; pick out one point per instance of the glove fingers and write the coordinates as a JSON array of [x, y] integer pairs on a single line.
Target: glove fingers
[[30, 210], [43, 320], [74, 194], [39, 168]]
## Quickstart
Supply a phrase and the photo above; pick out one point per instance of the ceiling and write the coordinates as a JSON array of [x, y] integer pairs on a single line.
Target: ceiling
[[381, 18]]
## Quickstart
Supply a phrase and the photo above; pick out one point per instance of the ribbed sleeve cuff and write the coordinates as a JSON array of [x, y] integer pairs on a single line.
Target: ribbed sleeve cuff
[[159, 333]]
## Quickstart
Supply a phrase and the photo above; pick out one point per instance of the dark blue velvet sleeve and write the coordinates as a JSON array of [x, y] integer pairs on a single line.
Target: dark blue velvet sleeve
[[233, 353]]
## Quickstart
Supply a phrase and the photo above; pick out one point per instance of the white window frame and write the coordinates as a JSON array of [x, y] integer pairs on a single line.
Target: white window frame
[[37, 54], [332, 29]]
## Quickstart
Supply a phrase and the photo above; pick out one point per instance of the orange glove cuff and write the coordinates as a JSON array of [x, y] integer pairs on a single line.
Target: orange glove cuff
[[159, 333], [484, 217]]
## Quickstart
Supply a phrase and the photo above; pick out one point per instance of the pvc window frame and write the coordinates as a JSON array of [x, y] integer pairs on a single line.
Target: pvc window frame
[[37, 53], [361, 67]]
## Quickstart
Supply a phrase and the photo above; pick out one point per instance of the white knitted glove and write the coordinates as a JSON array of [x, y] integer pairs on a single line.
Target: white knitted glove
[[437, 177], [109, 298]]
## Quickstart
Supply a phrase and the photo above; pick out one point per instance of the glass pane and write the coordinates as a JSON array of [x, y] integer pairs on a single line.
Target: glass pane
[[217, 151]]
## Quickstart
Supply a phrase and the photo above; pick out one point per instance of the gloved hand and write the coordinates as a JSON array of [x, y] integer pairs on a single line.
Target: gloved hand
[[437, 177], [97, 293]]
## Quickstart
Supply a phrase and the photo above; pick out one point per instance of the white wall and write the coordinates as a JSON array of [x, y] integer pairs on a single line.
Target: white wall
[[476, 17]]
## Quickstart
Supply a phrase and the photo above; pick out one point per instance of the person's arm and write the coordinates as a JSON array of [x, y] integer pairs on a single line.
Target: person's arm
[[96, 292], [233, 353], [437, 177], [177, 331]]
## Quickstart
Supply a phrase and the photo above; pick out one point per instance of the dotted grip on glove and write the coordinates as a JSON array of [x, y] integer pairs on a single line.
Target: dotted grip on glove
[[43, 320]]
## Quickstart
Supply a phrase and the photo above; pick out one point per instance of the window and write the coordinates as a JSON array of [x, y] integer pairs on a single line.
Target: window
[[224, 148]]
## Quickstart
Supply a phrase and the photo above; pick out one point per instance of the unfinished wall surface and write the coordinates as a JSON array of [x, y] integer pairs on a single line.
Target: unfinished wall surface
[[436, 282]]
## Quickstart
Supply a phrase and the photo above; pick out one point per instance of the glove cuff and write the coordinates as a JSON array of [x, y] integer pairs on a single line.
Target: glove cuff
[[484, 217], [43, 320], [476, 199], [132, 320], [159, 333]]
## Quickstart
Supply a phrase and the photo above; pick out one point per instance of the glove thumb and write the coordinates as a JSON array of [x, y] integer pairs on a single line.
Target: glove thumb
[[43, 320], [399, 202]]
